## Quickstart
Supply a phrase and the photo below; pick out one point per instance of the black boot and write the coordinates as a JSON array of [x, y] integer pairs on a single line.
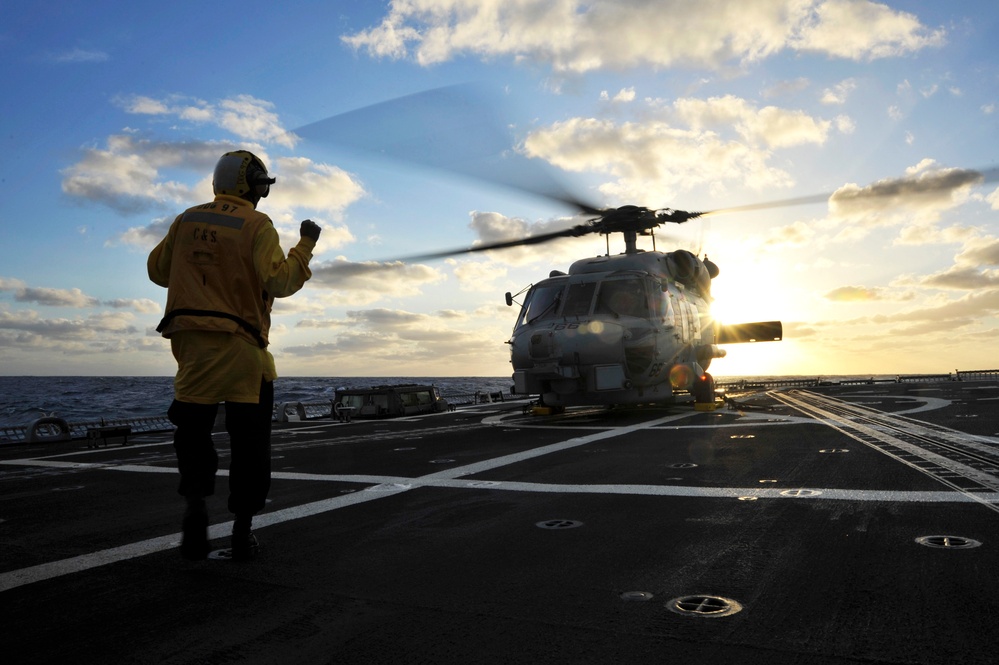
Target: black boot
[[194, 540], [244, 543]]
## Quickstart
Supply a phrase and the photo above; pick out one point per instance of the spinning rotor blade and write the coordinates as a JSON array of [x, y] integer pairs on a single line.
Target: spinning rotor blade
[[626, 219], [458, 129], [462, 130], [925, 184], [575, 231]]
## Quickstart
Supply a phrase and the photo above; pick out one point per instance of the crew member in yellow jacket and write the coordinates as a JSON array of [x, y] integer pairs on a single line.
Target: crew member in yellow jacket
[[223, 266]]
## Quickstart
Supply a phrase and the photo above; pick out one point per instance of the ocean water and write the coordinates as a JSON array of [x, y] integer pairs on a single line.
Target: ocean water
[[90, 398]]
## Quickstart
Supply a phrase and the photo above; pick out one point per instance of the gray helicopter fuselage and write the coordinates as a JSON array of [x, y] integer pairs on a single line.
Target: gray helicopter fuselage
[[625, 329]]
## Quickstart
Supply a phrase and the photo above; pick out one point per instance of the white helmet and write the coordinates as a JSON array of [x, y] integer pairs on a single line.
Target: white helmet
[[241, 172]]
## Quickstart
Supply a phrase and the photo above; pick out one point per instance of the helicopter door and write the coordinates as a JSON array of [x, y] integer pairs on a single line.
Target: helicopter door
[[664, 308], [687, 318]]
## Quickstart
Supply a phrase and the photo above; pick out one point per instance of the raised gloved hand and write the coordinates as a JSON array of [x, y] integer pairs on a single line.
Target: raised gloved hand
[[310, 230]]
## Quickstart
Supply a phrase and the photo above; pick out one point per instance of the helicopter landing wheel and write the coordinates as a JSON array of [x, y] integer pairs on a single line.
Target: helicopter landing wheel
[[704, 390]]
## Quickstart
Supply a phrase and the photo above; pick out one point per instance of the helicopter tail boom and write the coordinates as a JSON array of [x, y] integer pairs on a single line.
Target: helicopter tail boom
[[758, 331]]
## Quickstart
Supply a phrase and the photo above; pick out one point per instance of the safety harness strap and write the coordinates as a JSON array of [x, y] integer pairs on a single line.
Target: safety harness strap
[[243, 323]]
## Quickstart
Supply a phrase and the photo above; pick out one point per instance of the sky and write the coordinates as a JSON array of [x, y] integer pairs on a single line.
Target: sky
[[114, 114]]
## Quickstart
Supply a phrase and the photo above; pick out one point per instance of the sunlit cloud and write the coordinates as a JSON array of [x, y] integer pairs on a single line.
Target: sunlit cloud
[[571, 36], [854, 294], [243, 115], [126, 175], [311, 186], [838, 94], [361, 283], [27, 322], [925, 192], [768, 126], [963, 278], [652, 156], [47, 296], [862, 30], [479, 276], [381, 341], [623, 96]]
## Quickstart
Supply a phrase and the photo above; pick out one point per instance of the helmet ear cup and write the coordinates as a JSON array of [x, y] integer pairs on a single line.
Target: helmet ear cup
[[258, 179]]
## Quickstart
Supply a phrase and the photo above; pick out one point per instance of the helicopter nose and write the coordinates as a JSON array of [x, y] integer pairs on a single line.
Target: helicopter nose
[[569, 347]]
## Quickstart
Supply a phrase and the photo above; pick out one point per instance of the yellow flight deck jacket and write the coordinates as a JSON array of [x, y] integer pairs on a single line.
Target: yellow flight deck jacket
[[223, 266]]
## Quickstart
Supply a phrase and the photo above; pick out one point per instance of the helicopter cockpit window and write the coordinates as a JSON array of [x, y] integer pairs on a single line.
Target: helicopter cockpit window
[[542, 303], [578, 299], [623, 297]]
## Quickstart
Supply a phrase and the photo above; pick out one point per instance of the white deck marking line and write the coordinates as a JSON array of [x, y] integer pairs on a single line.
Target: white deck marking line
[[844, 424], [390, 486], [377, 483], [452, 480], [44, 571]]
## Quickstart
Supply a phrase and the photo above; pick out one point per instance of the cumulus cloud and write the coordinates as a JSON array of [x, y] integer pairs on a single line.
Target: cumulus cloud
[[770, 126], [862, 30], [243, 115], [304, 184], [975, 267], [56, 297], [845, 124], [925, 192], [141, 305], [27, 322], [146, 237], [980, 251], [478, 276], [395, 342], [839, 92], [782, 88], [133, 174], [573, 36], [47, 296], [623, 96], [963, 278], [365, 282], [854, 294], [796, 234], [493, 227], [653, 160], [127, 175], [993, 199], [73, 297], [975, 306]]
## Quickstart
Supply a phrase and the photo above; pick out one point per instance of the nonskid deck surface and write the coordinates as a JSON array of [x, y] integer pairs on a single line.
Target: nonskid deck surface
[[830, 525]]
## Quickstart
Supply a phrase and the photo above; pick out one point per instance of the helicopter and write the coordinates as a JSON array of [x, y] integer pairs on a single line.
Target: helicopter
[[624, 329], [630, 328]]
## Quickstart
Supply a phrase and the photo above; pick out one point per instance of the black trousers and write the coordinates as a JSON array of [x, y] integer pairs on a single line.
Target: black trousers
[[249, 428]]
